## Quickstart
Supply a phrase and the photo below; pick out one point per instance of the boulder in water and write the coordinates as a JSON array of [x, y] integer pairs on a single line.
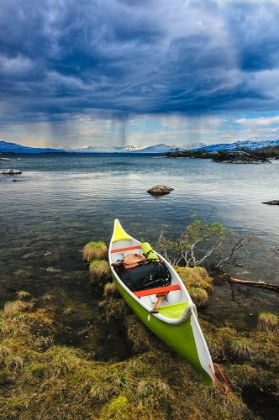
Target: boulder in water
[[160, 190]]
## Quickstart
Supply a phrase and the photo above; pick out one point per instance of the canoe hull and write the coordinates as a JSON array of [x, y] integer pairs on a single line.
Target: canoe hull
[[179, 338], [178, 329]]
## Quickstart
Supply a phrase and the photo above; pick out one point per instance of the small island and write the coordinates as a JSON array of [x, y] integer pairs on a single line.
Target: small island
[[240, 155]]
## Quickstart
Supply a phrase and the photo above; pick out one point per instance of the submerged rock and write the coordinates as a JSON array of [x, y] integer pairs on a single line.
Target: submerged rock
[[10, 172], [160, 190], [272, 202]]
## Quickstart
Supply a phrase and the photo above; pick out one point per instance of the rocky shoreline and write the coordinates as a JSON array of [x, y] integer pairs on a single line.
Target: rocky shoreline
[[238, 156]]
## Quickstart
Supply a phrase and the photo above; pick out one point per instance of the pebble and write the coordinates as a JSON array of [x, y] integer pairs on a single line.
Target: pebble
[[47, 253], [53, 270]]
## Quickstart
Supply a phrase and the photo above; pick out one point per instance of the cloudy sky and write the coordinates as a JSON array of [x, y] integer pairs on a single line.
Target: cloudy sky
[[143, 72]]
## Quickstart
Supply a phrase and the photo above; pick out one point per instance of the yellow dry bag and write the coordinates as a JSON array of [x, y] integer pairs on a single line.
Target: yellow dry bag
[[148, 252]]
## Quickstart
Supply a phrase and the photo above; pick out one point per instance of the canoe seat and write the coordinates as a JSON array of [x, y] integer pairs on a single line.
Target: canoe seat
[[174, 310], [156, 290], [127, 248]]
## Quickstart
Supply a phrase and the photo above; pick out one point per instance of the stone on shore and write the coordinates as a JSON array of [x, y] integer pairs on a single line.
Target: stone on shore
[[160, 190]]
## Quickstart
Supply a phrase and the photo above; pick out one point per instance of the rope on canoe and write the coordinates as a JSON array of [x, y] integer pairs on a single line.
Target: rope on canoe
[[224, 391]]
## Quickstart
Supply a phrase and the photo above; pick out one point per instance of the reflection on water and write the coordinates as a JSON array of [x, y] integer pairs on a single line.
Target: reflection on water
[[59, 203]]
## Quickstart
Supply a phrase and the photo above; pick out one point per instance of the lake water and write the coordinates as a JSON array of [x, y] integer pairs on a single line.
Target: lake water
[[60, 203]]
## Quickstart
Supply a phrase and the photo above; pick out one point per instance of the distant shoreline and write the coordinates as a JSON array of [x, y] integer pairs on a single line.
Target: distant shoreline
[[2, 153], [270, 152]]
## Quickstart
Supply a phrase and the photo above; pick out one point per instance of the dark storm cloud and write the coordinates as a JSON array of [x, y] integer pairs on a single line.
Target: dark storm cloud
[[64, 57]]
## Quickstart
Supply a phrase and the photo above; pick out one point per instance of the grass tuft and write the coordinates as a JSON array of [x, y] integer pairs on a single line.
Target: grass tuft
[[199, 296], [241, 347], [95, 251], [47, 297], [5, 329], [14, 363], [138, 335], [4, 351], [268, 322], [111, 290], [43, 343], [12, 308], [99, 271], [196, 277], [118, 407], [23, 295]]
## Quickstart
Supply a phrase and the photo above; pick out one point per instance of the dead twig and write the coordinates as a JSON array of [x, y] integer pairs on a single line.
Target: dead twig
[[261, 284]]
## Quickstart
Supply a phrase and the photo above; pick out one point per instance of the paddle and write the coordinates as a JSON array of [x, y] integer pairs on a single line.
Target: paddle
[[159, 297]]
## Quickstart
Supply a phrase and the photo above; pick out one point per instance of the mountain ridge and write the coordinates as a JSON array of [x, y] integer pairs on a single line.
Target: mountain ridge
[[7, 147]]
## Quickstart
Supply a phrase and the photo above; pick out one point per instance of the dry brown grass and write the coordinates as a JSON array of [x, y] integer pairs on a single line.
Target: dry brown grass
[[218, 339], [241, 347], [199, 296], [114, 309], [195, 277], [95, 251], [111, 290], [99, 271], [17, 306], [23, 295], [4, 351], [14, 363], [152, 383], [268, 322], [43, 343], [47, 297], [138, 335], [4, 329]]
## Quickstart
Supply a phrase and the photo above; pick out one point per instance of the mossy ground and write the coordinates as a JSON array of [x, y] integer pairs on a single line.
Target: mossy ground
[[198, 283], [42, 380]]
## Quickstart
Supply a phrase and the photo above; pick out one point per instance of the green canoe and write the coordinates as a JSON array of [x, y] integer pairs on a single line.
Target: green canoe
[[175, 320]]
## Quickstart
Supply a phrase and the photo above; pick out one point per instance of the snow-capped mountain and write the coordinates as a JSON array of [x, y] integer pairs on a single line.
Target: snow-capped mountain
[[248, 144], [6, 147], [133, 148]]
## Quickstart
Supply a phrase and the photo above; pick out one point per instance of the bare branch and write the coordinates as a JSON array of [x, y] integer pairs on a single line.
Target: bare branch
[[183, 250], [238, 244]]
